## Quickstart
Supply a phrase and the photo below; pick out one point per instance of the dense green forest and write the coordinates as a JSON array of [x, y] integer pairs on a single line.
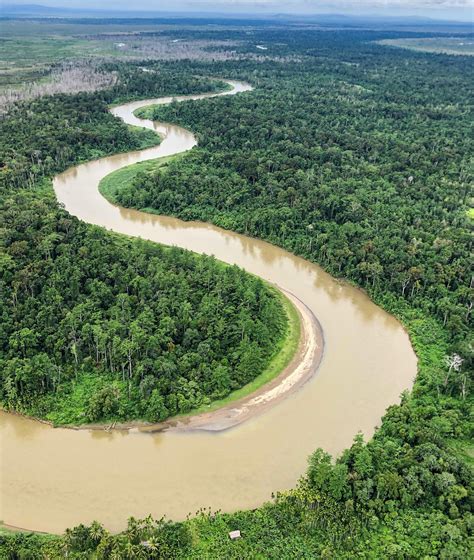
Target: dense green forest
[[356, 156], [95, 326], [354, 172]]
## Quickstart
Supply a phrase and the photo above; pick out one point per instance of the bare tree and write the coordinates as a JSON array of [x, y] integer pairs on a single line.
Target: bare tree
[[454, 363], [69, 77]]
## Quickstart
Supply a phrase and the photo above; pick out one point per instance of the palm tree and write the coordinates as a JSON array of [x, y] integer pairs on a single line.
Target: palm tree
[[96, 531]]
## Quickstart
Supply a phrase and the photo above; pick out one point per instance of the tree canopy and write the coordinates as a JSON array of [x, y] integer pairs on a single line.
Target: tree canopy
[[95, 326], [356, 156]]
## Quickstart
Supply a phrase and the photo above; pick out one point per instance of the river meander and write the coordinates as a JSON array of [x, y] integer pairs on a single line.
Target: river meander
[[56, 478]]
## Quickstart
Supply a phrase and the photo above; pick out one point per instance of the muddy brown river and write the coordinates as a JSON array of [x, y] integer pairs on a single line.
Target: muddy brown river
[[56, 478]]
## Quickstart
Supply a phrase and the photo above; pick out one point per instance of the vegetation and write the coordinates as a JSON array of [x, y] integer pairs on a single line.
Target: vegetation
[[357, 157], [118, 180], [95, 326], [463, 45]]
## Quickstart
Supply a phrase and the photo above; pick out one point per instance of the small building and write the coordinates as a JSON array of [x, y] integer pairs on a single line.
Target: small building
[[234, 535]]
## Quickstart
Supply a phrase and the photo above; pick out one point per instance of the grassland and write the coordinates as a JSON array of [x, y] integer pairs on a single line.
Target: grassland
[[29, 47], [28, 58], [442, 45], [118, 180]]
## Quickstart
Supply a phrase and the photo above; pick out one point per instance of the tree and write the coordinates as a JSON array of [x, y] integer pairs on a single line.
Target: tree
[[156, 410]]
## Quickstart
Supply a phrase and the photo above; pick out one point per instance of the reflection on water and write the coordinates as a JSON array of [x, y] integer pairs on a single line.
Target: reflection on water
[[55, 478]]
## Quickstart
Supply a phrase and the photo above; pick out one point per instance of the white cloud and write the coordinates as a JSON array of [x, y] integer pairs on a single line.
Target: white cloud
[[336, 3], [356, 7]]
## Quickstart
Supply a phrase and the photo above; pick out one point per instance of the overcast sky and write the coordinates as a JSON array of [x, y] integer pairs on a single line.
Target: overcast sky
[[452, 9]]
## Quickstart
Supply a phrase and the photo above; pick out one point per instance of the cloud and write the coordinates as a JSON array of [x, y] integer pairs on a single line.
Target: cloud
[[359, 7], [426, 7], [339, 3]]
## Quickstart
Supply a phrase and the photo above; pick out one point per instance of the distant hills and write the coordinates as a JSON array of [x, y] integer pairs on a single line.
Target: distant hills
[[34, 10], [39, 10]]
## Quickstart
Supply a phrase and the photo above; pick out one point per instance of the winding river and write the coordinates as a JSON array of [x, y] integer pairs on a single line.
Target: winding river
[[56, 478]]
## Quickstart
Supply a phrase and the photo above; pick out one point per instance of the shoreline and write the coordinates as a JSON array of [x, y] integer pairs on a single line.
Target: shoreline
[[302, 366]]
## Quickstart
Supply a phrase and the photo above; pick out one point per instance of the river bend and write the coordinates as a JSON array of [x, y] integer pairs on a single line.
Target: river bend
[[57, 478]]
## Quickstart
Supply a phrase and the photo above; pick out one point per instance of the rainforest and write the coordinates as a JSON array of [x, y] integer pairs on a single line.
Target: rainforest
[[240, 182]]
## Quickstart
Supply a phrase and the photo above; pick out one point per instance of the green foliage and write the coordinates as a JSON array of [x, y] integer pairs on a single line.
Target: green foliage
[[104, 403], [98, 327], [345, 166], [357, 157], [156, 409]]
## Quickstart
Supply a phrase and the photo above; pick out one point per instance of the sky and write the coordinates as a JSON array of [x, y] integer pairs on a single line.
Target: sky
[[449, 9]]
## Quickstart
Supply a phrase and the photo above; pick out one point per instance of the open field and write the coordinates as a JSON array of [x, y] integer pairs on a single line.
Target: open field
[[27, 59], [30, 48], [444, 45]]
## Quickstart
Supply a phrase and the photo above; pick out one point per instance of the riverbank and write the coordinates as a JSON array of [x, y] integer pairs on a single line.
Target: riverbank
[[295, 360], [368, 362], [118, 180], [294, 363], [298, 371]]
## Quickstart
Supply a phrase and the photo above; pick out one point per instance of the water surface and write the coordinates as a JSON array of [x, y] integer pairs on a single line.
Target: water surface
[[56, 478]]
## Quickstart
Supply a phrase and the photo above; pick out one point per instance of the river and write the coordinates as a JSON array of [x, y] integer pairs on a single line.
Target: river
[[56, 478]]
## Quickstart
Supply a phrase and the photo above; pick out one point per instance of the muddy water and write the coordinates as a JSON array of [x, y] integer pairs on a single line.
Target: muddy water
[[55, 478]]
